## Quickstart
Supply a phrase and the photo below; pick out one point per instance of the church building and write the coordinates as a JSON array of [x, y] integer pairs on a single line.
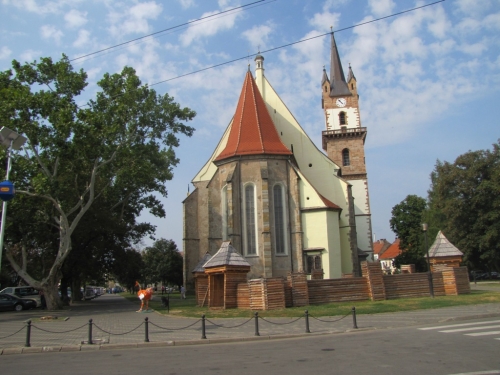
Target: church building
[[285, 205]]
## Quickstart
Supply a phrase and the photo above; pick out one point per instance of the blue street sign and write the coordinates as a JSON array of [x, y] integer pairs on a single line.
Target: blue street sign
[[7, 191]]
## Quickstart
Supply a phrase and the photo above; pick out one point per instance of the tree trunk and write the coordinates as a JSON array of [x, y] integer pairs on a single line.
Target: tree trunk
[[76, 294], [52, 296]]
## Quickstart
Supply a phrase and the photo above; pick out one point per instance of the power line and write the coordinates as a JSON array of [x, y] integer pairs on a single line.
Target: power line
[[293, 43], [286, 45], [167, 29]]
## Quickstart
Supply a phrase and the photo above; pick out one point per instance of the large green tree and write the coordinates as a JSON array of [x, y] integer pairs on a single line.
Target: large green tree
[[464, 196], [118, 150], [162, 263], [406, 223]]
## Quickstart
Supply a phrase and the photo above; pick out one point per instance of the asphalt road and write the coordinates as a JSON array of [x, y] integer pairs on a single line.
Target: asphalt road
[[470, 348]]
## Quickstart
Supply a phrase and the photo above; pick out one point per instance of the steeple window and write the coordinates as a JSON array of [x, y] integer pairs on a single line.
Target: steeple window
[[342, 118], [250, 221], [346, 160]]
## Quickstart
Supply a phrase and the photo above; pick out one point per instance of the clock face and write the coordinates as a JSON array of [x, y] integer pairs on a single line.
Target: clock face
[[341, 102]]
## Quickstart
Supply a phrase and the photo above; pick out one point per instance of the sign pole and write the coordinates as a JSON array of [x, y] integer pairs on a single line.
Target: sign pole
[[4, 206]]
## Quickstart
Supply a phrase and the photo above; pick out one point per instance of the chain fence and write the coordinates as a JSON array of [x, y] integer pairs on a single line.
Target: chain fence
[[89, 329]]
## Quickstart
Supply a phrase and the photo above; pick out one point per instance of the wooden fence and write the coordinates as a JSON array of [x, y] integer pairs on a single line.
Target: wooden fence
[[337, 290], [296, 290]]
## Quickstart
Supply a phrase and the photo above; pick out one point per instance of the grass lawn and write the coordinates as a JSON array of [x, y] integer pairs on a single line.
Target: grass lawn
[[188, 308]]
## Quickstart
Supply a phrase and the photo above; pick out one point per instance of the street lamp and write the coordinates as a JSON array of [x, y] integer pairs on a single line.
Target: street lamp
[[429, 273], [9, 140]]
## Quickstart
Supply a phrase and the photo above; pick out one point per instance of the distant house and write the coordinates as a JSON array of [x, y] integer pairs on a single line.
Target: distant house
[[379, 247], [387, 257]]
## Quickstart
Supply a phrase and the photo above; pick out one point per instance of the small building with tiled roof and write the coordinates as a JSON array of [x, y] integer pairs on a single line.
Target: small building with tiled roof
[[444, 253], [379, 247], [387, 257], [284, 204]]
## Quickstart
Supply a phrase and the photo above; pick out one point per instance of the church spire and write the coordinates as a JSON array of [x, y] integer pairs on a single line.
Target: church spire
[[325, 77], [350, 75], [337, 79]]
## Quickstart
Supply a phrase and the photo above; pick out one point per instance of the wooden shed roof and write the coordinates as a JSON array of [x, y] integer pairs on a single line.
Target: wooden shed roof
[[226, 256], [443, 248], [199, 267]]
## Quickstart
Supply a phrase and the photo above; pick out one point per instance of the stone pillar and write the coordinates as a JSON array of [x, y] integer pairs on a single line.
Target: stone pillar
[[300, 290], [267, 255], [375, 279]]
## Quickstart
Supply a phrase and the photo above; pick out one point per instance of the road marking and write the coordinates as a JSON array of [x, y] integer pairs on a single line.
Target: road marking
[[459, 325], [469, 329], [483, 333]]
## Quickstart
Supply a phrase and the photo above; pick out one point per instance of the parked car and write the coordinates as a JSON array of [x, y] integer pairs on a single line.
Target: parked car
[[23, 292], [10, 302]]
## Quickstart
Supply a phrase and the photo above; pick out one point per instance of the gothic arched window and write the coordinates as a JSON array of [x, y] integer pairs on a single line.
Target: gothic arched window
[[346, 161], [279, 219], [342, 118], [224, 214], [250, 221]]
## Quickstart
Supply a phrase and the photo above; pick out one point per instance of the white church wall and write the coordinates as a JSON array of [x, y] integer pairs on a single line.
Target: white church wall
[[333, 122]]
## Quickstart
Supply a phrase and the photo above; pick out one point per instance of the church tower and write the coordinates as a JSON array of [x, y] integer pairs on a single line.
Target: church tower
[[344, 142]]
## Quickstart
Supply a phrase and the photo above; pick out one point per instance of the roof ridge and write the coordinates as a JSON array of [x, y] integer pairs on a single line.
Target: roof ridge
[[252, 87]]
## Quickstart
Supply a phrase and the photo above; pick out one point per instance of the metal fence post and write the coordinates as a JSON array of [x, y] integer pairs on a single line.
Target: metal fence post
[[28, 334], [90, 332], [146, 329], [307, 322], [203, 336], [257, 324], [354, 323]]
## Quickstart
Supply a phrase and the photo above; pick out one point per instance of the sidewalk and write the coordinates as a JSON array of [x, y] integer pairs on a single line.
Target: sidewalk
[[116, 324]]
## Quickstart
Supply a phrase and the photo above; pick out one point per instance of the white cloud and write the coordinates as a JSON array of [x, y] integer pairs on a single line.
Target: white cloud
[[133, 20], [492, 21], [323, 21], [332, 4], [5, 52], [47, 7], [474, 48], [258, 36], [209, 27], [75, 18], [381, 7], [29, 55], [186, 3], [471, 7], [83, 38], [51, 32], [437, 22]]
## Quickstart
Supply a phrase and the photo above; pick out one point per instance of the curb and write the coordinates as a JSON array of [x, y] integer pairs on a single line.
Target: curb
[[158, 344]]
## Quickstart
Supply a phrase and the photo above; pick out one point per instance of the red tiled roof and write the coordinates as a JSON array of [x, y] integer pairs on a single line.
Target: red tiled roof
[[392, 251], [380, 246], [253, 131]]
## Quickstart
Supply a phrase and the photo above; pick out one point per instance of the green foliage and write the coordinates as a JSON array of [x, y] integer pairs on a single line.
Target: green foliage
[[162, 262], [406, 223], [108, 159], [127, 269], [465, 199]]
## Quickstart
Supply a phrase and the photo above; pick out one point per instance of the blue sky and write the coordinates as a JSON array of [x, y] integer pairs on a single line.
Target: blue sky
[[429, 80]]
